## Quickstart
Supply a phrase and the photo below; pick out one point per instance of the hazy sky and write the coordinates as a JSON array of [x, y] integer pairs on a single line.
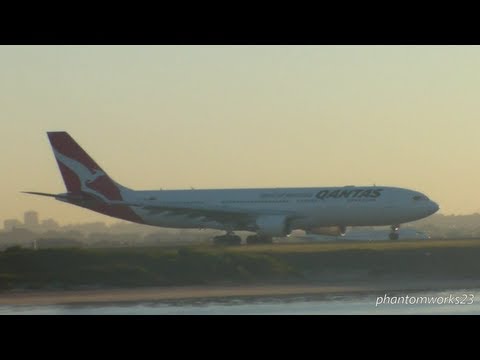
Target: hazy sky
[[243, 116]]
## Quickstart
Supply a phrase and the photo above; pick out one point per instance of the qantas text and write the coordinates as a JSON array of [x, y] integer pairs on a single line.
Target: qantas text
[[348, 194]]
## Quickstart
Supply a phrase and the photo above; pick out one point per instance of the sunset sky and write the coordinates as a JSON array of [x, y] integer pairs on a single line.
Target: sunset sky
[[176, 117]]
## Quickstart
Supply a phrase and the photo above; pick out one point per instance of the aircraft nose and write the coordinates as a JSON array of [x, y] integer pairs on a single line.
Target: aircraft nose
[[434, 207]]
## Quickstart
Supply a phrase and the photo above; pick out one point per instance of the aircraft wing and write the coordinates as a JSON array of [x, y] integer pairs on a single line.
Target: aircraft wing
[[207, 214], [217, 214]]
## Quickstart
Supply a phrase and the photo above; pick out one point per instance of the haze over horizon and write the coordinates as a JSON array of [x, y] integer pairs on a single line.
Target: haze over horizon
[[176, 117]]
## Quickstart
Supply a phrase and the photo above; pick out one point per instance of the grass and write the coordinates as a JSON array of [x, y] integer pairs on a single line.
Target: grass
[[208, 264]]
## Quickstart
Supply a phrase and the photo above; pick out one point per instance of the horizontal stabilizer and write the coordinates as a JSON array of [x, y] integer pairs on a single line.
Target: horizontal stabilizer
[[40, 193], [57, 196]]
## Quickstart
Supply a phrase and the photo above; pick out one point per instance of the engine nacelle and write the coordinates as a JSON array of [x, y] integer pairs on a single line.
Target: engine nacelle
[[328, 230], [273, 225]]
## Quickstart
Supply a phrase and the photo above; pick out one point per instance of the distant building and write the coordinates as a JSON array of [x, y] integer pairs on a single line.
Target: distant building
[[31, 219], [49, 224], [10, 224]]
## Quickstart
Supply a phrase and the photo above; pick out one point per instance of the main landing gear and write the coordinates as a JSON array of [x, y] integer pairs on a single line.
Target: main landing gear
[[228, 239], [394, 234], [259, 239]]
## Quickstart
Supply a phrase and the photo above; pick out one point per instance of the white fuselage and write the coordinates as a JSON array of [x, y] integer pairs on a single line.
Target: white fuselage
[[306, 207]]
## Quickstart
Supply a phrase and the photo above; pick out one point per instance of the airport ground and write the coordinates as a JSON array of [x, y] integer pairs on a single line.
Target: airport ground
[[156, 273]]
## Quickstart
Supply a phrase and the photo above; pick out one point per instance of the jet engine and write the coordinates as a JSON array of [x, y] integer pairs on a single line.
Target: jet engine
[[273, 225], [328, 230]]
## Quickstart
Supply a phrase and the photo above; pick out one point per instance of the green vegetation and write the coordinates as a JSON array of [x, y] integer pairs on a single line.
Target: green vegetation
[[70, 268]]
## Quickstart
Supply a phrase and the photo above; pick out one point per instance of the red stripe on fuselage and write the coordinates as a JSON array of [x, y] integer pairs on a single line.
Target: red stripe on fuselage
[[117, 211]]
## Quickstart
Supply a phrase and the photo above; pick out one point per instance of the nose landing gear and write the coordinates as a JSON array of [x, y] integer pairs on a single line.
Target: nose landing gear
[[394, 234]]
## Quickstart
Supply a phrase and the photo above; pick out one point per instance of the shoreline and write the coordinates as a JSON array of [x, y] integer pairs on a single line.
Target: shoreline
[[85, 276], [158, 294]]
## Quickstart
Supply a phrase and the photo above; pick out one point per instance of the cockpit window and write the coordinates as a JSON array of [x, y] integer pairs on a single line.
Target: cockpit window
[[420, 197]]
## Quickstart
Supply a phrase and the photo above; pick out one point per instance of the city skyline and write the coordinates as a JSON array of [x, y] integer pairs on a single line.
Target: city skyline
[[31, 219], [177, 117], [121, 232]]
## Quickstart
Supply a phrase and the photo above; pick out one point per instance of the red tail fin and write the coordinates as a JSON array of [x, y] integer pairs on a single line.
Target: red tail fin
[[79, 171]]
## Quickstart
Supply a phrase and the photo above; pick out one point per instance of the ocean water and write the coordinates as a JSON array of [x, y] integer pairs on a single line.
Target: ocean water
[[437, 302]]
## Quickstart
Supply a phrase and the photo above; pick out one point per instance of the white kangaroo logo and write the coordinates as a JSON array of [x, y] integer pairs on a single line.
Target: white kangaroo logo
[[85, 174], [96, 174]]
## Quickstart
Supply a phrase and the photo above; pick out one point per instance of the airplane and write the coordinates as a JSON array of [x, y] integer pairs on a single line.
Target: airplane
[[267, 212]]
